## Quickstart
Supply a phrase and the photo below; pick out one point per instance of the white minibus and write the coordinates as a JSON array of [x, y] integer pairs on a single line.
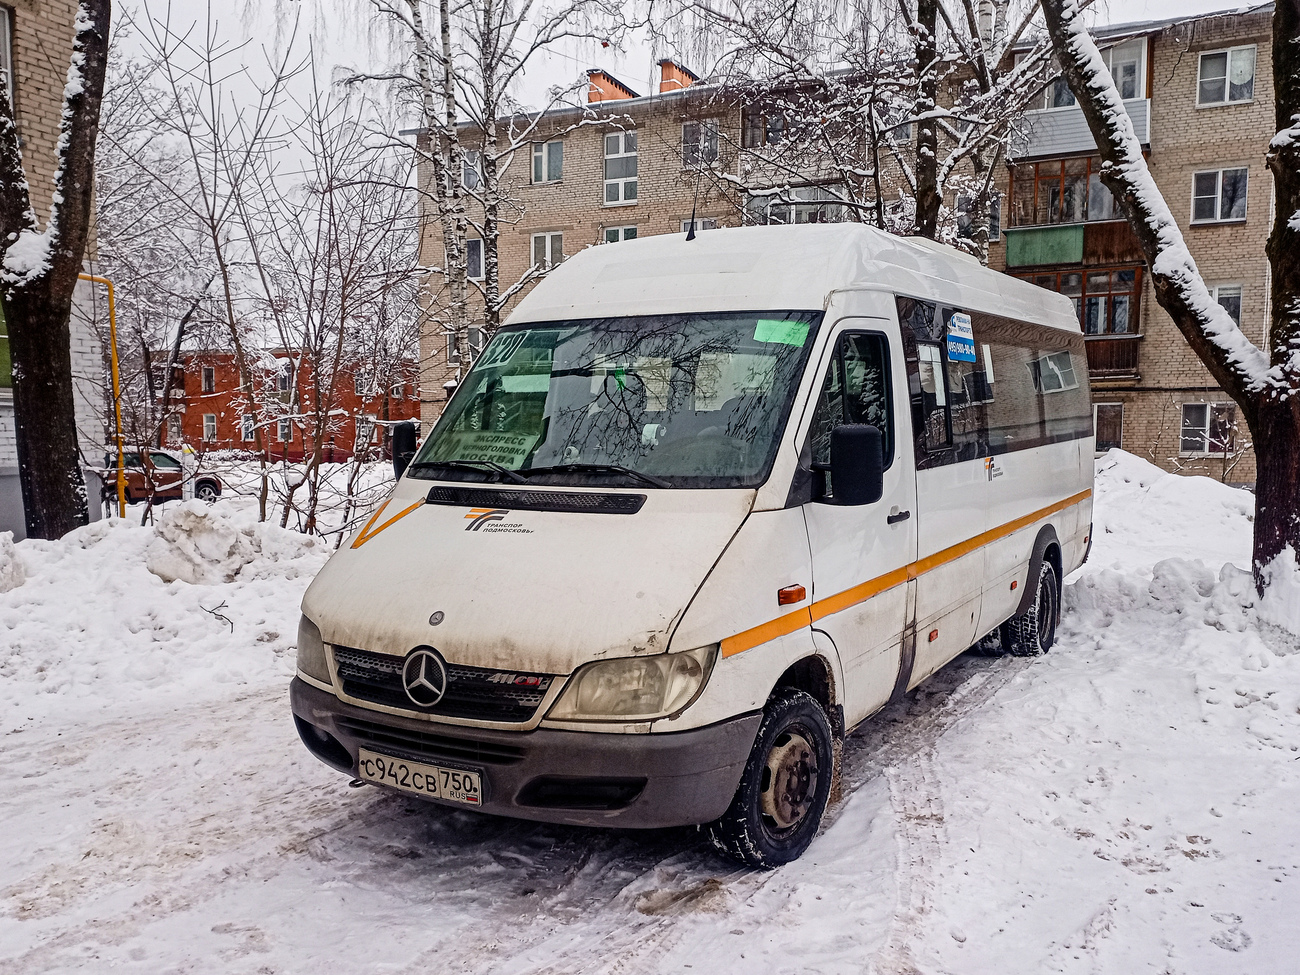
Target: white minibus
[[697, 511]]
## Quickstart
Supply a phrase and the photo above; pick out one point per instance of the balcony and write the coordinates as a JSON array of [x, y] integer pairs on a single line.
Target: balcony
[[1113, 356], [1063, 131]]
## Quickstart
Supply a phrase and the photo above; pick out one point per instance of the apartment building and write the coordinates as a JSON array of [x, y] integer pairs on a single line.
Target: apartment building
[[213, 412], [1199, 91], [35, 50]]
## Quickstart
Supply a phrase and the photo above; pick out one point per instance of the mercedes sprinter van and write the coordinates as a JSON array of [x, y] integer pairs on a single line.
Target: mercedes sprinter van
[[698, 510]]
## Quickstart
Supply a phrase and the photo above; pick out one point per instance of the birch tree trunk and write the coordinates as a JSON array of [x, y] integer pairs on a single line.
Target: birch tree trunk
[[39, 274]]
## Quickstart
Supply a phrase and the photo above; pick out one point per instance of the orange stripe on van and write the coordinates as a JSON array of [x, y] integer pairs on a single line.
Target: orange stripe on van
[[860, 593], [366, 534]]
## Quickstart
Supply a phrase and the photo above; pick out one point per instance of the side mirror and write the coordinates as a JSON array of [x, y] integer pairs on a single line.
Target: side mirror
[[403, 447], [857, 464]]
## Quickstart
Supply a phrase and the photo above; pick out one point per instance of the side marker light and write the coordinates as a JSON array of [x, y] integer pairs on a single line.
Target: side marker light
[[790, 595], [934, 635], [1014, 583]]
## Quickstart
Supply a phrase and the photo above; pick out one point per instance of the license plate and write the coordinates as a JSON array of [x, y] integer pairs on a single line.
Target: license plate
[[433, 781]]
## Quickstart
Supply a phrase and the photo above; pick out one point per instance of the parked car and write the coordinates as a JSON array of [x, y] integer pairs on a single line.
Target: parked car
[[156, 473]]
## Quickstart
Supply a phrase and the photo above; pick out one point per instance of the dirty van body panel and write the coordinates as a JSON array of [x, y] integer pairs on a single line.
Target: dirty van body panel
[[536, 591], [861, 552], [628, 781]]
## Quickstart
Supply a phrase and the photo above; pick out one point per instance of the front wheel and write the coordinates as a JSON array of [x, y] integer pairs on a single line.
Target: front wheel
[[1035, 632], [785, 785], [207, 491]]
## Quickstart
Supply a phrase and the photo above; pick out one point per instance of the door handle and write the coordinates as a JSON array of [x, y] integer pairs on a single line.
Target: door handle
[[896, 518]]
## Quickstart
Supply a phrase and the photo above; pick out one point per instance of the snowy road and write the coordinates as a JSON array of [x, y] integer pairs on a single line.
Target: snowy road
[[1126, 803]]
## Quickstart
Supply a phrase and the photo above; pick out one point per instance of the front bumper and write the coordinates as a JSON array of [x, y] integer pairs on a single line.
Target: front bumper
[[638, 781]]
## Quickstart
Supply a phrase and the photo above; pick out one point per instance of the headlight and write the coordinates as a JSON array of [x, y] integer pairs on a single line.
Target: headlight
[[311, 652], [635, 688]]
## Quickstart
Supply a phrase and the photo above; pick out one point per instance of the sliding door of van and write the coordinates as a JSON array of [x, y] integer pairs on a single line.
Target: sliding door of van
[[860, 554]]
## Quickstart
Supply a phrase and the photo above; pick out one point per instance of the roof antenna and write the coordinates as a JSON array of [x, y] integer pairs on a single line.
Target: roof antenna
[[690, 233]]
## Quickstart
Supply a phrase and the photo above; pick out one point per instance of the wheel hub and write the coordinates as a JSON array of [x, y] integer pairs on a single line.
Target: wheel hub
[[791, 780]]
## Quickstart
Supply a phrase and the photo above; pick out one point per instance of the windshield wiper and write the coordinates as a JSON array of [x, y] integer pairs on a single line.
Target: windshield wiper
[[472, 465], [597, 469]]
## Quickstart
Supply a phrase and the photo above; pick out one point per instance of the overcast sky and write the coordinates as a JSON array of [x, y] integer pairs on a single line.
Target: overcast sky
[[345, 42]]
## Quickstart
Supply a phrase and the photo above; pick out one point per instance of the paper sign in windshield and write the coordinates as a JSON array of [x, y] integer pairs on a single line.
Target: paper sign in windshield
[[961, 340], [782, 333], [506, 449]]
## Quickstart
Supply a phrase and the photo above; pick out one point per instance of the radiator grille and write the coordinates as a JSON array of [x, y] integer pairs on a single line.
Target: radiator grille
[[575, 501]]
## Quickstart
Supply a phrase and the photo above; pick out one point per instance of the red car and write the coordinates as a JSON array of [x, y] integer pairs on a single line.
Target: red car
[[156, 474]]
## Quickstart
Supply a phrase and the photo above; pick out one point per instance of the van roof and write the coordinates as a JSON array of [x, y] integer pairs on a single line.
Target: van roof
[[783, 267]]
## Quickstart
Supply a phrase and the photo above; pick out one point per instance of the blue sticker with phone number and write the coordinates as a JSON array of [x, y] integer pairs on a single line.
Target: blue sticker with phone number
[[961, 340]]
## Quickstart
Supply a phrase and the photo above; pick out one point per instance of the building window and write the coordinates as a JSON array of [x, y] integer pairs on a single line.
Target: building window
[[548, 250], [1060, 191], [1219, 196], [248, 427], [359, 385], [1229, 296], [365, 430], [1053, 373], [7, 51], [471, 161], [1108, 419], [701, 223], [1125, 64], [699, 143], [285, 429], [966, 223], [620, 168], [1226, 76], [6, 363], [209, 378], [614, 234], [474, 259], [1208, 428], [209, 426], [1106, 299], [453, 349], [174, 435], [803, 204], [762, 127], [548, 162]]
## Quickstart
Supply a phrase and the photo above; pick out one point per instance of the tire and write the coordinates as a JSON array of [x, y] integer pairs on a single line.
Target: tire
[[207, 491], [1035, 632], [794, 758]]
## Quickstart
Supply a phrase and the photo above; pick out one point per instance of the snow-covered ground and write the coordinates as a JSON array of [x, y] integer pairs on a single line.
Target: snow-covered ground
[[1127, 803]]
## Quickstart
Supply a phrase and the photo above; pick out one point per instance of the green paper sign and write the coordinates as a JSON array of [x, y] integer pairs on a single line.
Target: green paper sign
[[784, 333]]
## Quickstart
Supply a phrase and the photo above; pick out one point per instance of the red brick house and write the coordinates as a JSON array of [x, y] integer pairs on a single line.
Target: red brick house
[[209, 412]]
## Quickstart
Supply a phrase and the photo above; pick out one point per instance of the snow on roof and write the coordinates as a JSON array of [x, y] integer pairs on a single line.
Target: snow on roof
[[771, 268]]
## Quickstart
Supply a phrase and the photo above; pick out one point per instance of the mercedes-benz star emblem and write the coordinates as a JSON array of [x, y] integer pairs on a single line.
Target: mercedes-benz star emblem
[[424, 676]]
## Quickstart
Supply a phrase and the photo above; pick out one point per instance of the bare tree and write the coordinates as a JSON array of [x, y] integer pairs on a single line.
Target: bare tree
[[1265, 385], [39, 272]]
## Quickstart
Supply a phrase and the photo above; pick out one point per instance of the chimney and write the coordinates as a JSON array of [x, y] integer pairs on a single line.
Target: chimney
[[604, 87], [673, 77]]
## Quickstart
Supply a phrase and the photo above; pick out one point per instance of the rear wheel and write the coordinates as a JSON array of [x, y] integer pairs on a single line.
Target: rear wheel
[[206, 491], [1035, 632], [785, 785]]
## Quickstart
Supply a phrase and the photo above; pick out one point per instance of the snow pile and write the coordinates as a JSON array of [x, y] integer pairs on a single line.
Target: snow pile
[[114, 615], [200, 544], [12, 571]]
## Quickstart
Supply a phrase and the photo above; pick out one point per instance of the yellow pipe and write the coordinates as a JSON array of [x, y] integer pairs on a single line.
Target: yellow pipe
[[117, 391]]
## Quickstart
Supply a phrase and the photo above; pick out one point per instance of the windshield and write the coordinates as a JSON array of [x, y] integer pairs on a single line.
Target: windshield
[[656, 400]]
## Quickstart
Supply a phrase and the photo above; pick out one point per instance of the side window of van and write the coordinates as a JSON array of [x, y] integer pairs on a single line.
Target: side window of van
[[855, 390]]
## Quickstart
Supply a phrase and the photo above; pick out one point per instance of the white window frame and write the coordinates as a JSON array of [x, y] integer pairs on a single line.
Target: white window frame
[[359, 387], [1204, 430], [1227, 77], [1218, 195], [620, 184], [453, 350], [541, 171], [695, 155], [209, 426], [1221, 291], [469, 264], [284, 430], [7, 49], [549, 248], [1095, 408], [205, 373], [175, 429], [701, 223], [1140, 71], [471, 169], [248, 427], [620, 233], [1068, 378]]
